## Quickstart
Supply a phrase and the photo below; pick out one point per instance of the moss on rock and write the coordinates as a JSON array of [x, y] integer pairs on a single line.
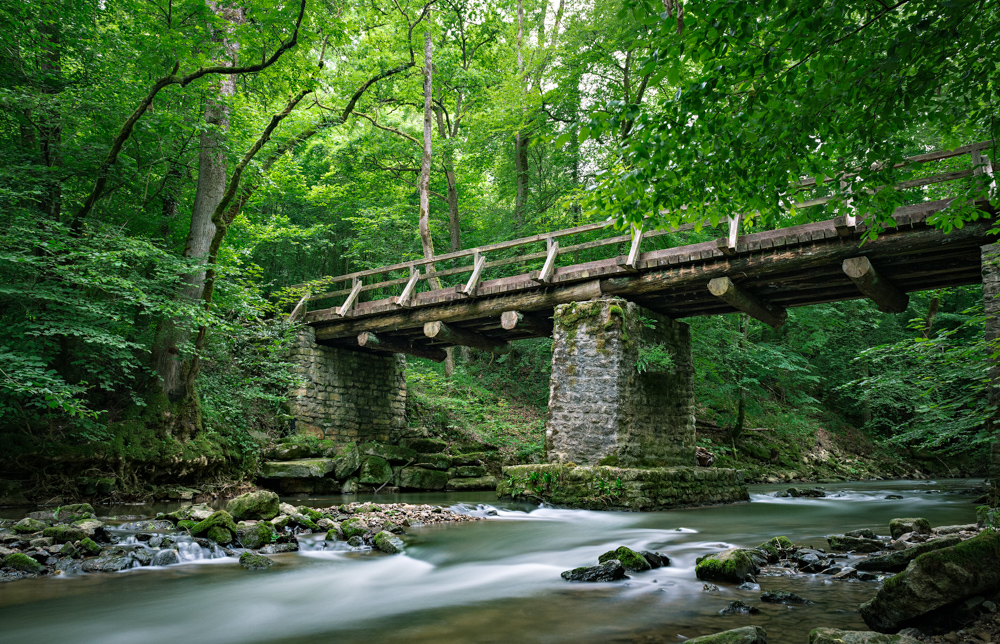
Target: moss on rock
[[375, 470], [22, 562], [89, 547], [388, 543], [28, 526], [631, 560], [353, 527], [254, 561], [733, 565], [75, 512], [64, 533], [899, 527], [220, 519], [262, 504]]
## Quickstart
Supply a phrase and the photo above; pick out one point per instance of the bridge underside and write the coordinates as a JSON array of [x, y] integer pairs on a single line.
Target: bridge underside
[[771, 271]]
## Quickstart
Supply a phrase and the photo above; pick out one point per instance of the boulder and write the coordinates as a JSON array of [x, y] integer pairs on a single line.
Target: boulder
[[732, 565], [611, 570], [290, 452], [93, 527], [278, 548], [471, 458], [300, 469], [434, 461], [807, 492], [863, 533], [630, 559], [353, 527], [347, 462], [155, 525], [165, 557], [89, 547], [255, 535], [393, 453], [954, 529], [420, 479], [110, 562], [22, 562], [253, 561], [195, 513], [424, 445], [897, 561], [781, 597], [739, 608], [479, 483], [655, 559], [28, 525], [221, 520], [844, 543], [745, 635], [934, 580], [834, 636], [776, 548], [375, 470], [261, 504], [899, 527], [388, 542], [64, 533], [74, 512]]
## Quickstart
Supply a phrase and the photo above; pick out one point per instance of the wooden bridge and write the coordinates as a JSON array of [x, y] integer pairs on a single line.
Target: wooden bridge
[[761, 274]]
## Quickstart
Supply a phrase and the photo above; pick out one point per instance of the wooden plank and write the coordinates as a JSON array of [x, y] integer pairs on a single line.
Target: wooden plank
[[544, 276], [375, 342], [631, 264], [450, 334], [411, 285], [727, 291], [342, 311], [536, 325], [300, 308], [470, 287], [886, 295]]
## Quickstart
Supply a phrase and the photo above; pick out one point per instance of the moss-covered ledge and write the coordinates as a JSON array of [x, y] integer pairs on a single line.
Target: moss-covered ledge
[[620, 488]]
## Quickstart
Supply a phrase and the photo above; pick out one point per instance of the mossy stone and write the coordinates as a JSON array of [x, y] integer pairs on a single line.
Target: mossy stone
[[254, 561], [88, 546], [22, 562], [69, 550], [28, 526], [631, 560], [186, 524], [421, 479], [388, 543], [393, 453], [64, 533], [256, 535], [331, 534], [745, 635], [899, 527], [219, 534], [375, 470], [353, 527], [262, 504], [733, 565], [75, 512], [220, 519], [424, 445]]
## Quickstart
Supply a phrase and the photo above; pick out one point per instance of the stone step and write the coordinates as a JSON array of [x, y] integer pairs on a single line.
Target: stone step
[[302, 468]]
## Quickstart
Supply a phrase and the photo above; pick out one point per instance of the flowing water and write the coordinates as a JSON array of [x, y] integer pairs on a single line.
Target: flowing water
[[488, 581]]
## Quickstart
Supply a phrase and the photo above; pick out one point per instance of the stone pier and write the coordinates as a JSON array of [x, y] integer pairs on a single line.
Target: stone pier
[[347, 396], [620, 431], [622, 387], [991, 306]]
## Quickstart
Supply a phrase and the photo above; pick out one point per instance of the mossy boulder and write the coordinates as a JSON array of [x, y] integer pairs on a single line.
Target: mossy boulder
[[776, 548], [899, 527], [480, 483], [470, 458], [434, 461], [375, 470], [353, 527], [467, 471], [631, 560], [733, 565], [290, 451], [844, 543], [28, 525], [22, 562], [254, 561], [75, 512], [89, 547], [424, 445], [782, 597], [388, 542], [611, 570], [255, 535], [300, 469], [262, 504], [834, 636], [195, 513], [934, 580], [92, 527], [418, 478], [395, 454], [332, 534], [221, 520], [64, 533], [898, 560], [69, 550], [347, 462], [745, 635]]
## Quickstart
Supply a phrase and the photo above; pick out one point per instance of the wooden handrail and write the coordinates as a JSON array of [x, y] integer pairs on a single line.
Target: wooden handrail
[[553, 248]]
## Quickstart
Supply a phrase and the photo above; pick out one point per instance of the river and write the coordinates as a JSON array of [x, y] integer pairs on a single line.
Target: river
[[483, 582]]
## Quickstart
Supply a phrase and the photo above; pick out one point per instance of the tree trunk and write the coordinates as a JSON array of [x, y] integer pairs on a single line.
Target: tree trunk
[[426, 242], [520, 137], [51, 125]]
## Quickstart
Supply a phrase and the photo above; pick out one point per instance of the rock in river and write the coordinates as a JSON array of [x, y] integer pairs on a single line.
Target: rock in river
[[899, 527], [630, 559], [739, 608], [834, 636], [781, 597], [611, 570], [388, 542], [253, 561], [732, 565], [261, 504], [934, 580], [897, 561]]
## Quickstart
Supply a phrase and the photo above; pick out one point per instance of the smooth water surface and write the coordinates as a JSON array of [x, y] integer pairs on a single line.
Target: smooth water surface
[[489, 581]]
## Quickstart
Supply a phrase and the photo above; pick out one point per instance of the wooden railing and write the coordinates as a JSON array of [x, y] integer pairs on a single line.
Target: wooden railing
[[361, 282]]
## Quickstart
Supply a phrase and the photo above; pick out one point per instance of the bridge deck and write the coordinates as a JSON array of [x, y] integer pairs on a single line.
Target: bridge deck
[[767, 272]]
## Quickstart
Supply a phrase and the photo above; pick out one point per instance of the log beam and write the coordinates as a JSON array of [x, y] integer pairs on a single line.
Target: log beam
[[393, 345], [886, 295], [454, 335], [533, 324], [727, 291]]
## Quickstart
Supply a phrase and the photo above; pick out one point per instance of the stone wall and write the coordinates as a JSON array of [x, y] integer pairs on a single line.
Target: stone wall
[[348, 396], [602, 409], [616, 488]]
